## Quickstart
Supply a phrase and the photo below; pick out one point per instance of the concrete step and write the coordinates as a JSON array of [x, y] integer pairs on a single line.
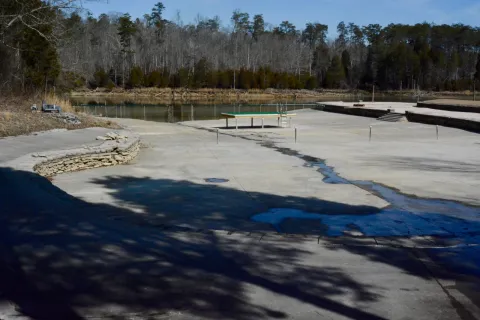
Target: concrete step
[[393, 117]]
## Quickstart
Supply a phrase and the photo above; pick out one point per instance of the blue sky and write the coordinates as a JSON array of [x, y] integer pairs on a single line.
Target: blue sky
[[299, 12]]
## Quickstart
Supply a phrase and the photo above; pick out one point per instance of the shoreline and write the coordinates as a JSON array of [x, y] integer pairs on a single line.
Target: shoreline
[[230, 95]]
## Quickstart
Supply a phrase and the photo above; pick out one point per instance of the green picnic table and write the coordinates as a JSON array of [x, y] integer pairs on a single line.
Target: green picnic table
[[257, 115]]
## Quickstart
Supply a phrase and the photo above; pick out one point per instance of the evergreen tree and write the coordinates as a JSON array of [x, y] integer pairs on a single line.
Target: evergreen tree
[[39, 55], [477, 68], [126, 29], [346, 63], [336, 74], [258, 27], [136, 77]]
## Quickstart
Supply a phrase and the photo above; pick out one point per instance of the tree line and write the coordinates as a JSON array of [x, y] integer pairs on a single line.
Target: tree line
[[65, 48]]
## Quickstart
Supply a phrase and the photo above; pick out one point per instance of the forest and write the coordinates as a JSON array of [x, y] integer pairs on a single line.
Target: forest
[[57, 44]]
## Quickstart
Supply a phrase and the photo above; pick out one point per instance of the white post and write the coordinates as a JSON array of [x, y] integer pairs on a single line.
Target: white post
[[437, 132], [370, 139], [295, 134], [262, 124], [217, 135], [236, 124]]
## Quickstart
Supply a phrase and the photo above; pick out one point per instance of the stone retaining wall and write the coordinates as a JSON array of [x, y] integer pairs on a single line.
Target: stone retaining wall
[[95, 155], [87, 160]]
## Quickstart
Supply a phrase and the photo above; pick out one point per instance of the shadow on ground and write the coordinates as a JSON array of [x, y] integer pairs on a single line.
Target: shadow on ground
[[208, 206], [232, 126], [61, 254]]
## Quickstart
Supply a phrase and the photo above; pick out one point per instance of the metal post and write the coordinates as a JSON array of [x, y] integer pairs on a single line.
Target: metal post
[[373, 94], [295, 134], [252, 123], [262, 123], [278, 120], [236, 123], [116, 111], [474, 91], [95, 109], [290, 122], [437, 132], [226, 119], [106, 112], [144, 114], [370, 138], [217, 136]]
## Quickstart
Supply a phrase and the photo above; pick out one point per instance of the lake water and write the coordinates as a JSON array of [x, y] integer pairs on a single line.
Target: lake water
[[177, 112]]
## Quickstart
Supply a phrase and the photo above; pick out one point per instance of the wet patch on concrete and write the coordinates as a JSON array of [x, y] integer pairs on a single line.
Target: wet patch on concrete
[[407, 215], [216, 180]]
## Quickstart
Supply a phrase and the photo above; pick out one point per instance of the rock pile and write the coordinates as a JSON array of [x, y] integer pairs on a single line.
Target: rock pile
[[112, 136], [68, 118]]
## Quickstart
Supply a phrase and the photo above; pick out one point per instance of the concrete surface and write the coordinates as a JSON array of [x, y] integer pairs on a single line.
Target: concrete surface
[[454, 102], [402, 107], [406, 156], [452, 105], [105, 248]]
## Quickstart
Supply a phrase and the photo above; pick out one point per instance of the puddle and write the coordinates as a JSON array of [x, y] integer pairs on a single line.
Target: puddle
[[406, 216]]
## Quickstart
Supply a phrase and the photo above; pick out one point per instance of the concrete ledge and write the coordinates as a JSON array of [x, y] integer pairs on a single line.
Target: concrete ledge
[[355, 111], [465, 124], [109, 153], [451, 105]]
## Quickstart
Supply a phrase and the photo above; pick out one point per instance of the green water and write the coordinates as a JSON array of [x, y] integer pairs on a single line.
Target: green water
[[200, 111]]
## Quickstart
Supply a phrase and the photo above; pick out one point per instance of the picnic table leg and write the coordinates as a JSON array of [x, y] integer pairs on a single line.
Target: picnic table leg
[[252, 122]]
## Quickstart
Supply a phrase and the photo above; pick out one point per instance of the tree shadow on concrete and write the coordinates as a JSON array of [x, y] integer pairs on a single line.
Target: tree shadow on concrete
[[208, 206], [63, 258]]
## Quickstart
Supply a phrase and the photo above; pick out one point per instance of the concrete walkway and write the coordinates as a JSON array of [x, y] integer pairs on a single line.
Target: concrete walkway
[[107, 248]]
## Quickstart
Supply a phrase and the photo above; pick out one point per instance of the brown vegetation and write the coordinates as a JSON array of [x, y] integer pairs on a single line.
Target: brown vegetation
[[16, 117], [212, 94]]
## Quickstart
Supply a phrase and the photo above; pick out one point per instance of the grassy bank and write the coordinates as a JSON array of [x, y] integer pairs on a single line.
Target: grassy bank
[[16, 117]]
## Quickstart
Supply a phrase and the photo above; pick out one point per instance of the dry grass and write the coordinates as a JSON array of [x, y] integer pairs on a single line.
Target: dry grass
[[16, 118], [64, 103]]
